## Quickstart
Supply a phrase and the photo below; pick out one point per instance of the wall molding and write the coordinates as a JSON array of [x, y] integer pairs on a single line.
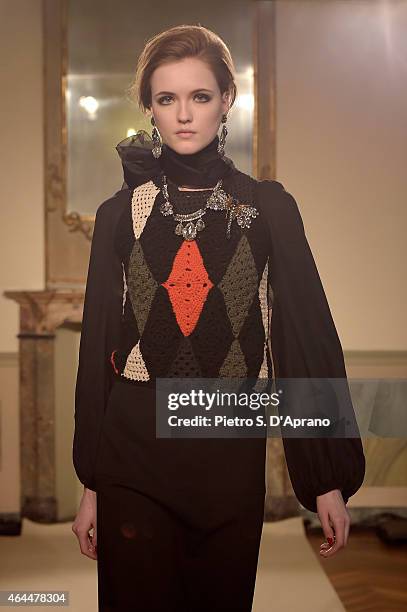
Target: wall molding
[[375, 357], [8, 359]]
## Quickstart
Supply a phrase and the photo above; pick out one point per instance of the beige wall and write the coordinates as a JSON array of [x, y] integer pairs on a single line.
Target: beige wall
[[341, 151], [21, 208], [21, 158]]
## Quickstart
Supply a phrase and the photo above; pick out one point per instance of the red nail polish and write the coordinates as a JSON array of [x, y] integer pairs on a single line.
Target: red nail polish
[[330, 541]]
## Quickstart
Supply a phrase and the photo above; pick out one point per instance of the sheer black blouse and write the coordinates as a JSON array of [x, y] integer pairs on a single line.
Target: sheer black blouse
[[304, 342]]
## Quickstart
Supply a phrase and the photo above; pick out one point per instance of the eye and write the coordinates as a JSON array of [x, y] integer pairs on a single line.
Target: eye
[[203, 96], [160, 100]]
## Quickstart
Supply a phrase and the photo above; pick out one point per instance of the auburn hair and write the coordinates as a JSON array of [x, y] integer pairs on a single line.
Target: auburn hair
[[177, 43]]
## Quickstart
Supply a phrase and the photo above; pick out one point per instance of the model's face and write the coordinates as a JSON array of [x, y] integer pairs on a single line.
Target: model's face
[[185, 96]]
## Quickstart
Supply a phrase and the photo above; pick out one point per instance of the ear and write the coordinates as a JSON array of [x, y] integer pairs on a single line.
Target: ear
[[226, 101]]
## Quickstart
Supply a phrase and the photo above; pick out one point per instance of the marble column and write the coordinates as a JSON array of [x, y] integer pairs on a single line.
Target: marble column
[[41, 313]]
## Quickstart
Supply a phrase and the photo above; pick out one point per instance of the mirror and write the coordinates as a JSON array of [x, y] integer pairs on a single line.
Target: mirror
[[102, 50]]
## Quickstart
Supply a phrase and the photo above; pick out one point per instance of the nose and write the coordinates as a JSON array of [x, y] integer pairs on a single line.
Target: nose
[[184, 114]]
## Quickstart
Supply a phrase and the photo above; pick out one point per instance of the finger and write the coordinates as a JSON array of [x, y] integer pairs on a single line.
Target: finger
[[339, 528], [94, 537], [86, 545], [329, 550], [347, 527], [91, 547], [91, 552], [326, 527]]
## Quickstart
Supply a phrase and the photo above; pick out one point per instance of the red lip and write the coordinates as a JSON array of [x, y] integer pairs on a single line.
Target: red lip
[[185, 132]]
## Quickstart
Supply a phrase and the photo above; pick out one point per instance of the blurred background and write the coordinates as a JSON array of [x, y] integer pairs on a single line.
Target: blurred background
[[321, 107]]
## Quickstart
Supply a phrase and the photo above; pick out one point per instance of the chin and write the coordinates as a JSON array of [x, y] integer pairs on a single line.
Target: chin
[[186, 146]]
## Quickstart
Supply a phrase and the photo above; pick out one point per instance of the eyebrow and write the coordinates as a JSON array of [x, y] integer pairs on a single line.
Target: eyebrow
[[171, 93]]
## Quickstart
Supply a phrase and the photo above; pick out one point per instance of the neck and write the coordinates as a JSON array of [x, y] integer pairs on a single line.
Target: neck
[[201, 169]]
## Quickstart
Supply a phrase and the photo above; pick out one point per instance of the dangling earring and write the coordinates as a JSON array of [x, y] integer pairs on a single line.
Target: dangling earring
[[156, 150], [222, 139]]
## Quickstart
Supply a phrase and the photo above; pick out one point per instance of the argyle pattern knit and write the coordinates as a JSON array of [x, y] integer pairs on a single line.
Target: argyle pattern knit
[[192, 308]]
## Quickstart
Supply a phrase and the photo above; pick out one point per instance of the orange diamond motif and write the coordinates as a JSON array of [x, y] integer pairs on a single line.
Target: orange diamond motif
[[188, 286]]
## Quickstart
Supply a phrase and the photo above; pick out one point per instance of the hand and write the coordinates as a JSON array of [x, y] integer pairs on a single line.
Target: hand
[[84, 521], [335, 521]]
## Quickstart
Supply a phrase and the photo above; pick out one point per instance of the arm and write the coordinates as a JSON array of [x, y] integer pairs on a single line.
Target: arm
[[100, 330], [305, 344]]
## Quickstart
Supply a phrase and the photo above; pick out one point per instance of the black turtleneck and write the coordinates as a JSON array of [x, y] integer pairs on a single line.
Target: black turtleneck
[[200, 169]]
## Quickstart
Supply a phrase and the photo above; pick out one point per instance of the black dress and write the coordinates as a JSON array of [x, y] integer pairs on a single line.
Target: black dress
[[141, 321]]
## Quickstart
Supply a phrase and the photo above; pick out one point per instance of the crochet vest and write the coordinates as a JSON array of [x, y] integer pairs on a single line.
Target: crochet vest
[[192, 308]]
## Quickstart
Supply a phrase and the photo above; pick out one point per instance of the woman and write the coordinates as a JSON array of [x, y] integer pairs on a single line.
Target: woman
[[177, 522]]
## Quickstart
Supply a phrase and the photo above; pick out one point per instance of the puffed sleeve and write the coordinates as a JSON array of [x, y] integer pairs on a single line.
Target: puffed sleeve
[[305, 344], [100, 330]]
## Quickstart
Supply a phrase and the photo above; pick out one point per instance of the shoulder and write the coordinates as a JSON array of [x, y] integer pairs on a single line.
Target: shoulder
[[267, 189], [276, 201], [278, 208], [108, 214], [270, 196], [273, 192], [113, 206]]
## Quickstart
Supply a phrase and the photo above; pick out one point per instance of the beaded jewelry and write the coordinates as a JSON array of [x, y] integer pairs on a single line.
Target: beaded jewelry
[[218, 200]]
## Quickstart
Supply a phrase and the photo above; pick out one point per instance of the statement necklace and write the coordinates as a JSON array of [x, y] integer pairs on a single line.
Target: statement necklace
[[217, 200]]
